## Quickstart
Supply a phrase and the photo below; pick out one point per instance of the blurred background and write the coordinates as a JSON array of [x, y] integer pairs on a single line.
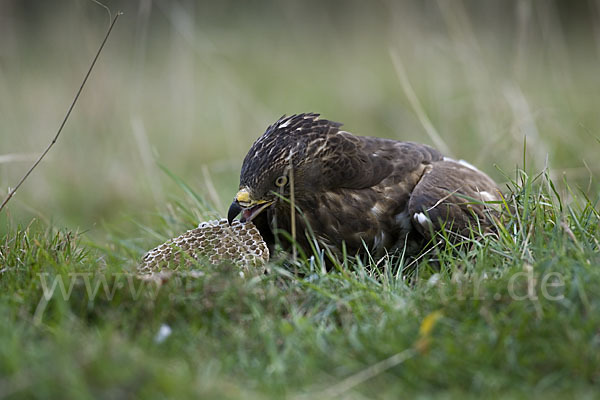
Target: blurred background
[[189, 85]]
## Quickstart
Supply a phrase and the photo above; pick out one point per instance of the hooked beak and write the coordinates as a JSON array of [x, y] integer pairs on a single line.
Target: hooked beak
[[234, 211], [245, 205]]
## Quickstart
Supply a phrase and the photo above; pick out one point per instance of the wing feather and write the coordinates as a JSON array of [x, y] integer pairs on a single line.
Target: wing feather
[[359, 162], [453, 195]]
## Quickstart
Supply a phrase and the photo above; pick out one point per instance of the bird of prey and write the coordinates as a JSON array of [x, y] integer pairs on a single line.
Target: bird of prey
[[364, 193]]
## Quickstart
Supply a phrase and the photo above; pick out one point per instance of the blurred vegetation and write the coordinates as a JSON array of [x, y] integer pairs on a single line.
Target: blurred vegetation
[[510, 316], [190, 85], [155, 145]]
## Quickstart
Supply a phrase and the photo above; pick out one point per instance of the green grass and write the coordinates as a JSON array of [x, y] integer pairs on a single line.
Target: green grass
[[513, 315], [195, 89], [155, 146]]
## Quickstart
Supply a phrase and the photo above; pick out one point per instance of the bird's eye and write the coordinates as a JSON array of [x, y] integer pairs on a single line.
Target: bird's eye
[[281, 181]]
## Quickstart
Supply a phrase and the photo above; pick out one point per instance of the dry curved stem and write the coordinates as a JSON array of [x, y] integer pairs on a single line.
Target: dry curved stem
[[11, 193]]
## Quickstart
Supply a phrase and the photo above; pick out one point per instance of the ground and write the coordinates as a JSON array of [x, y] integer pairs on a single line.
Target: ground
[[155, 146]]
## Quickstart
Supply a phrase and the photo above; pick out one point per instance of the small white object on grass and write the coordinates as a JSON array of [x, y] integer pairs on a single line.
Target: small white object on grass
[[163, 333]]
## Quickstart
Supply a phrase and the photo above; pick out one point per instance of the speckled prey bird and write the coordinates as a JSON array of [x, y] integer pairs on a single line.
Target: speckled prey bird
[[371, 193]]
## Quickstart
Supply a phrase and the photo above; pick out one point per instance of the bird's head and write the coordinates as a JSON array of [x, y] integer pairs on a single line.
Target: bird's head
[[281, 155]]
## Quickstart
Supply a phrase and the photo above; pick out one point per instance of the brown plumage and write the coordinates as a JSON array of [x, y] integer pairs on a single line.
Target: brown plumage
[[369, 193]]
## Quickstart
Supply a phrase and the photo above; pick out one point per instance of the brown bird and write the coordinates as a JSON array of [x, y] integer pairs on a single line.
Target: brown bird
[[364, 193]]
